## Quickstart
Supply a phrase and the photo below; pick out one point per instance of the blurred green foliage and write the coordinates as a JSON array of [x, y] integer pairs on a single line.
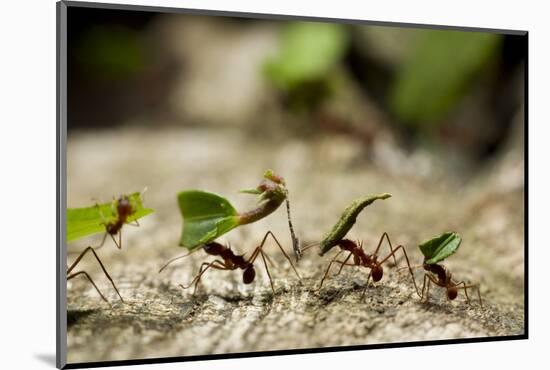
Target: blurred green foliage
[[112, 52], [308, 52], [438, 72]]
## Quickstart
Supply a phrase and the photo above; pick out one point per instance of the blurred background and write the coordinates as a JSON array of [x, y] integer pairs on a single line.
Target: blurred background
[[389, 89], [173, 101]]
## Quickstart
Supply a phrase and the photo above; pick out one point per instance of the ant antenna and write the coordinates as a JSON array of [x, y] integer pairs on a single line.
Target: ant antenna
[[143, 192], [306, 247], [175, 259], [295, 240]]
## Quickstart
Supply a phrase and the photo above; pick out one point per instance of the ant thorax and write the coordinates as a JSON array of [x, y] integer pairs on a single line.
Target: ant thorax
[[440, 271], [231, 260], [359, 255]]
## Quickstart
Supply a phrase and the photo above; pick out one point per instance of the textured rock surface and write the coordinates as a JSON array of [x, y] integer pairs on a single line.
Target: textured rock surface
[[324, 175]]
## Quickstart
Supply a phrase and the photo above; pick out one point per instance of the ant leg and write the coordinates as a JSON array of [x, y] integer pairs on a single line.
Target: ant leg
[[423, 287], [342, 264], [102, 241], [366, 286], [119, 243], [402, 248], [270, 260], [412, 267], [90, 280], [429, 279], [385, 234], [328, 269], [100, 264], [282, 250], [119, 239], [267, 270], [426, 278], [196, 280], [465, 287], [285, 254]]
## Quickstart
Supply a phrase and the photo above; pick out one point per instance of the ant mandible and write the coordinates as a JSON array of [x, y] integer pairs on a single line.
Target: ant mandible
[[370, 261], [442, 277], [229, 261]]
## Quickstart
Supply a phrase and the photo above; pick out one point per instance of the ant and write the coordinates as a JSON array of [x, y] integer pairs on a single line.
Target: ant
[[229, 261], [370, 261], [442, 277], [124, 209], [82, 272]]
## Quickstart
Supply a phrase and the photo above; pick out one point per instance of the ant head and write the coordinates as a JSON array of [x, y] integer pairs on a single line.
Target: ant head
[[249, 274], [347, 244], [123, 205], [452, 292], [213, 248], [377, 273]]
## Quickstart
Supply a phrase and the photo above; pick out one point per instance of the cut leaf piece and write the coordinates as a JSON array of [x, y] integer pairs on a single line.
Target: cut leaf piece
[[347, 220], [87, 221], [437, 249], [206, 216]]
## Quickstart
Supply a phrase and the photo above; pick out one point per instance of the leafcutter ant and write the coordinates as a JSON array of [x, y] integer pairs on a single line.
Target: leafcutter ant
[[229, 261], [370, 261], [122, 210], [436, 250], [442, 277]]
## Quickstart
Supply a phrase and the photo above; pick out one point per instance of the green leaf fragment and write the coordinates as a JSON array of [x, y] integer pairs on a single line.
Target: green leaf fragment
[[437, 249], [87, 221], [206, 216], [347, 220]]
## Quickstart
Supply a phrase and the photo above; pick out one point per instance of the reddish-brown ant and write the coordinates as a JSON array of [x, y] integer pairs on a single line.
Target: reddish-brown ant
[[124, 209], [84, 273], [230, 261], [442, 277], [370, 261]]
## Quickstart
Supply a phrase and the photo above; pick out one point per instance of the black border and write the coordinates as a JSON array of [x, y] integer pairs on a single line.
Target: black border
[[61, 199]]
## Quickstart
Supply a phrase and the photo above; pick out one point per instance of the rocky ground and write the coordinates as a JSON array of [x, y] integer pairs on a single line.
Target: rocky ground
[[324, 174]]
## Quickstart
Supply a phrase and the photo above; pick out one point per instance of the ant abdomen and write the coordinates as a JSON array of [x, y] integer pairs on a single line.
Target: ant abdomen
[[377, 273], [249, 274], [452, 292]]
